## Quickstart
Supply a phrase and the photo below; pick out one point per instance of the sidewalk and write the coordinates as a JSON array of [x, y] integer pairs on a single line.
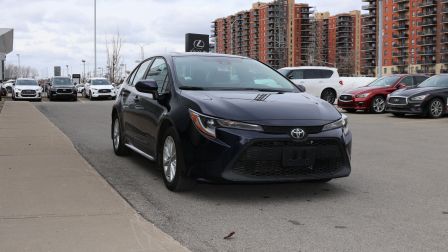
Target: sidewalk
[[51, 199]]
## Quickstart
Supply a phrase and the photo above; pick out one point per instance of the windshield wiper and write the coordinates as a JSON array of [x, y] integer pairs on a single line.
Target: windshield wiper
[[191, 88], [264, 90]]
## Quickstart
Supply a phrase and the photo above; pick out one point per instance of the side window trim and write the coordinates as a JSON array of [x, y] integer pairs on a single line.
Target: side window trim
[[134, 73]]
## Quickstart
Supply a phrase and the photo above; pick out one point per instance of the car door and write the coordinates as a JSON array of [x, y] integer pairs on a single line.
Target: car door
[[131, 107], [152, 109]]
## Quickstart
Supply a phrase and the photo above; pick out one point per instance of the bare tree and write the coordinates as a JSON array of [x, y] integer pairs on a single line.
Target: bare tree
[[345, 63], [14, 72], [114, 58]]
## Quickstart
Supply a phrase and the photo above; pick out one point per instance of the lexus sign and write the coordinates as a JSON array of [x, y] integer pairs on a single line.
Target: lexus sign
[[197, 42]]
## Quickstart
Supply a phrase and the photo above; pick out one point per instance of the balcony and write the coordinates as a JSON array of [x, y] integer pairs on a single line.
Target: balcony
[[400, 63], [399, 45], [401, 35], [400, 27], [428, 3], [426, 42], [370, 38], [427, 13], [369, 7], [427, 33], [400, 54], [401, 18], [403, 8], [426, 62], [401, 1], [427, 52], [427, 23]]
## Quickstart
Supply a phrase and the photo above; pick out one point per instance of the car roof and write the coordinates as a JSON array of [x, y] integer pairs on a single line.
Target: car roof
[[202, 54], [310, 67], [98, 78], [25, 79]]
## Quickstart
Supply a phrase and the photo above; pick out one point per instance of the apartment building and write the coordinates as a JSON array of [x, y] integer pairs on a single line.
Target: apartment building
[[414, 36], [277, 33]]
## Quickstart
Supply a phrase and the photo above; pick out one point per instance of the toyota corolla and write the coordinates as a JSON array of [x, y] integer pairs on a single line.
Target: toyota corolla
[[227, 118]]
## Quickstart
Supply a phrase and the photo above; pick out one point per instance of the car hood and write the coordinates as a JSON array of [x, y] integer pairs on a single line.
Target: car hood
[[264, 108], [414, 91], [62, 86], [102, 86], [22, 87]]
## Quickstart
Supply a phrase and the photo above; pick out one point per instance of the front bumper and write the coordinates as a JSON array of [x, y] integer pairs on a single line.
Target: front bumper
[[97, 94], [249, 156], [355, 103], [408, 108], [62, 95], [21, 96]]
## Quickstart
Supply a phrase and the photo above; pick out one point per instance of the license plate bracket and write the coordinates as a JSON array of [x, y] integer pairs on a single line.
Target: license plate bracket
[[298, 156]]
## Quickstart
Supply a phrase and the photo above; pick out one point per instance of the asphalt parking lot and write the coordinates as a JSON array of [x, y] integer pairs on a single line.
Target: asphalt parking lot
[[394, 200]]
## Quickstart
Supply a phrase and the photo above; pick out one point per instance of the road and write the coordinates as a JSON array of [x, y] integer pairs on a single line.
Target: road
[[395, 199]]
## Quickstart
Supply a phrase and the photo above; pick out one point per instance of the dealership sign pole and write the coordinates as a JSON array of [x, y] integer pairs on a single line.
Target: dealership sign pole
[[6, 46]]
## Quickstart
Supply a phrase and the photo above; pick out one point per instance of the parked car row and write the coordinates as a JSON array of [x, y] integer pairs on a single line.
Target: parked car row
[[400, 95]]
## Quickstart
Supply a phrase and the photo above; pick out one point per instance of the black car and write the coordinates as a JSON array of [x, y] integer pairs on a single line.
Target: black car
[[427, 99], [62, 88], [227, 118]]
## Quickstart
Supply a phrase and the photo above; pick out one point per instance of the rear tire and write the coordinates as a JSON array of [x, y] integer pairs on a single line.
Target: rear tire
[[118, 144], [328, 95], [436, 108], [171, 162]]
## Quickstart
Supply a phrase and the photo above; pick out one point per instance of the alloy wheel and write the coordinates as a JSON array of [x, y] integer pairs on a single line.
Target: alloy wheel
[[116, 134], [329, 96], [169, 159], [379, 105], [436, 108]]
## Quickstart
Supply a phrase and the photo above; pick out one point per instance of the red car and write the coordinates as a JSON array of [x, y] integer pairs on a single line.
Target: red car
[[373, 96]]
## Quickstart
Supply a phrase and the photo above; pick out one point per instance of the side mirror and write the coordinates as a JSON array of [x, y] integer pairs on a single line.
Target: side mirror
[[401, 86], [291, 77], [302, 88], [148, 87]]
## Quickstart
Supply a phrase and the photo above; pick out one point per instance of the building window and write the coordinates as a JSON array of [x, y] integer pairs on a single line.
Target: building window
[[385, 70]]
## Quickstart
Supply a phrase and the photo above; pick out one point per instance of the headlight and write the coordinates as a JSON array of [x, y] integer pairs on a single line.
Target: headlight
[[419, 98], [207, 125], [341, 123], [362, 95]]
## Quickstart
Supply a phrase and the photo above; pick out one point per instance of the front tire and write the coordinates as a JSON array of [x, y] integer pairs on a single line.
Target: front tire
[[378, 105], [171, 162], [120, 148], [328, 95], [436, 108], [90, 96]]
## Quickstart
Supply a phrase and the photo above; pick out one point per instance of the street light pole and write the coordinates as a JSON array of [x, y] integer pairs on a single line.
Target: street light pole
[[94, 35], [379, 70], [142, 52], [19, 70], [84, 72], [67, 71]]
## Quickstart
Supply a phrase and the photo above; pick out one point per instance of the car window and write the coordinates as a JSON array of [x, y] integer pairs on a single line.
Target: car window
[[419, 79], [297, 74], [159, 72], [408, 81], [139, 74], [317, 74], [227, 73]]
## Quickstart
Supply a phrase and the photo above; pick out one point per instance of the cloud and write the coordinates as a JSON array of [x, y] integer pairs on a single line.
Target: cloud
[[51, 32]]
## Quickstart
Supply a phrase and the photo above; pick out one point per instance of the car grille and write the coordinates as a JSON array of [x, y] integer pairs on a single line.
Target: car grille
[[28, 93], [287, 130], [103, 91], [265, 159], [64, 91], [397, 100], [345, 97]]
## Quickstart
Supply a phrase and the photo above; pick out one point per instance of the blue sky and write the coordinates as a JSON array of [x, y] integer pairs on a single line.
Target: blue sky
[[52, 32]]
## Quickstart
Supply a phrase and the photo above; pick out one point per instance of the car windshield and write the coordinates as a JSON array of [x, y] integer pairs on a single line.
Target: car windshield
[[436, 81], [228, 73], [100, 82], [62, 81], [384, 82], [26, 83]]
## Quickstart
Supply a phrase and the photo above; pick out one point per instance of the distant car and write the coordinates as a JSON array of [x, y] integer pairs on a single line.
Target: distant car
[[3, 91], [8, 85], [99, 88], [80, 88], [429, 98], [26, 89], [373, 96], [61, 88], [322, 82]]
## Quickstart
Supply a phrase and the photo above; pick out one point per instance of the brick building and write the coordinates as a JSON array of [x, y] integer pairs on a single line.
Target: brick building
[[414, 36]]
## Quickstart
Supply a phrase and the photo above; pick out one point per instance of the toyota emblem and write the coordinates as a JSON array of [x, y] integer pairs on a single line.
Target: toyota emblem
[[298, 134]]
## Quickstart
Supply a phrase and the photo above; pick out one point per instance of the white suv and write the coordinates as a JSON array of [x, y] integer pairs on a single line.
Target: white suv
[[323, 82], [98, 88], [26, 89]]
